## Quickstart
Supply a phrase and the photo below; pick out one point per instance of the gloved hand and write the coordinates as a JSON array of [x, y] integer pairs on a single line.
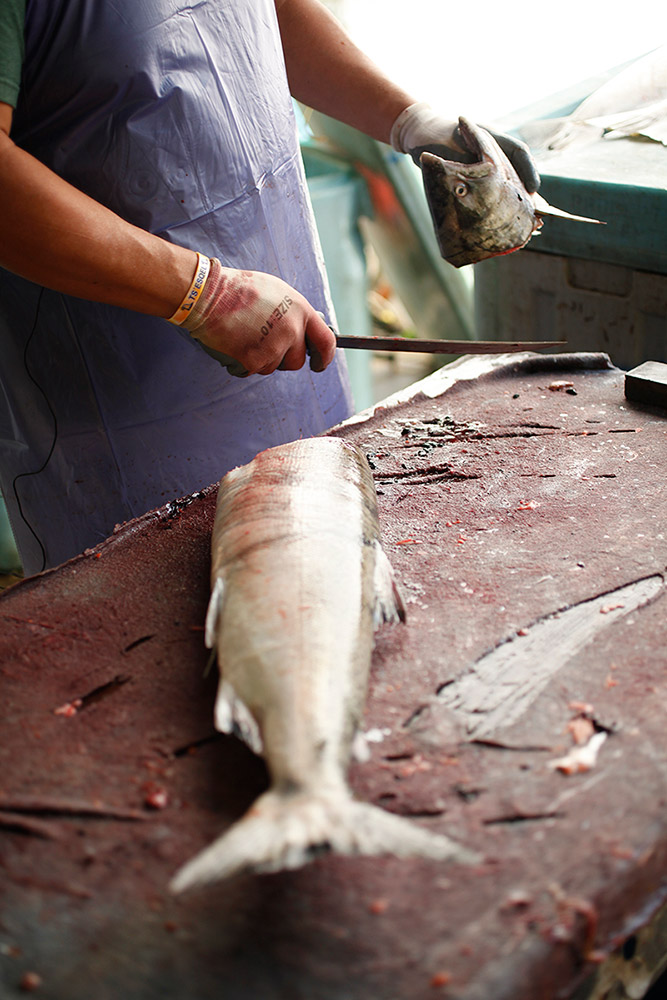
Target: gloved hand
[[254, 323], [420, 128]]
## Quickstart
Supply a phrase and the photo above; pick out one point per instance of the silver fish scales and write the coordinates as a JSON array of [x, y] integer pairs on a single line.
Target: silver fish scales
[[299, 583]]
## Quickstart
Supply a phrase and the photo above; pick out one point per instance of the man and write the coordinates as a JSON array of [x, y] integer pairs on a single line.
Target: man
[[153, 173]]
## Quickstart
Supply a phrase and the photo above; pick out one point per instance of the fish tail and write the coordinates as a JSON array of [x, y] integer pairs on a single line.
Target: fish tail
[[284, 831]]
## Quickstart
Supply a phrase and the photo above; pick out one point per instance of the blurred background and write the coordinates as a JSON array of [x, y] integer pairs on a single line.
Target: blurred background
[[487, 59]]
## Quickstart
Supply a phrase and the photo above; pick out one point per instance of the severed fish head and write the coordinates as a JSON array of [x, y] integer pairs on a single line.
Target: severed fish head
[[479, 209]]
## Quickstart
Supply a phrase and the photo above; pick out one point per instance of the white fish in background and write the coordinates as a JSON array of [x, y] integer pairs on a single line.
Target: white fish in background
[[633, 102], [299, 583]]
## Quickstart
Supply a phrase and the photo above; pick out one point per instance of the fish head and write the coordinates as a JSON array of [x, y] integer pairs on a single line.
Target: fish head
[[479, 208]]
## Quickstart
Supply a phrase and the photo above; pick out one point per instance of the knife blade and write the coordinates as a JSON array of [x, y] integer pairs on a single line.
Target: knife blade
[[445, 346]]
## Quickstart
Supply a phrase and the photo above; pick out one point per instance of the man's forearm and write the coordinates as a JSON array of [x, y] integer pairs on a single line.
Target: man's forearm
[[327, 72], [57, 236]]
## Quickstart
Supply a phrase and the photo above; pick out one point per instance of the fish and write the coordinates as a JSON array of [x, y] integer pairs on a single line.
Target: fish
[[481, 209], [630, 102], [299, 583]]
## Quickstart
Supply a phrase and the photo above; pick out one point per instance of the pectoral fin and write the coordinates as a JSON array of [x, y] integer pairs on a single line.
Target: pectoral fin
[[213, 613], [231, 713], [233, 716], [542, 207], [388, 605]]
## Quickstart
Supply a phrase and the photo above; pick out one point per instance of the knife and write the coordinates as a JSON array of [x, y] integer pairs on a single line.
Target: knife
[[445, 346], [403, 344]]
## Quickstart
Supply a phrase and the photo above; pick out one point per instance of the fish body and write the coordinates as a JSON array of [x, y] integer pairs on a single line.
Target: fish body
[[481, 209], [299, 582]]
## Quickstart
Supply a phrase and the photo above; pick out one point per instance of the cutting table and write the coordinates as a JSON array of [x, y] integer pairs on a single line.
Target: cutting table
[[521, 710]]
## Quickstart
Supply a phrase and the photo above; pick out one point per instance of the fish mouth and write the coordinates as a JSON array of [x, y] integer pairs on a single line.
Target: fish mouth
[[470, 139], [473, 155], [481, 147]]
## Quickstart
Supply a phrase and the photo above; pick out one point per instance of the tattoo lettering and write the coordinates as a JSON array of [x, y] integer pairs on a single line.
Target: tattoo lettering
[[279, 311]]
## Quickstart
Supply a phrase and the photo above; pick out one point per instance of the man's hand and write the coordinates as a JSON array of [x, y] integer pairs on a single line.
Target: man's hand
[[255, 323], [419, 128]]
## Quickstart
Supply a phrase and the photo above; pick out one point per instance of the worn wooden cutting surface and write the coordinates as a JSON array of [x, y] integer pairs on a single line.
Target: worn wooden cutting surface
[[526, 523]]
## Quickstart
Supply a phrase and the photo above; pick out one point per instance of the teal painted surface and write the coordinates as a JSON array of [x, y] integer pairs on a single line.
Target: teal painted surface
[[618, 184], [9, 558], [623, 182], [338, 195]]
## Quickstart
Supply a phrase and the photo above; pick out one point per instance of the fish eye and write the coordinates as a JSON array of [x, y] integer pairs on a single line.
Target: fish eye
[[461, 190]]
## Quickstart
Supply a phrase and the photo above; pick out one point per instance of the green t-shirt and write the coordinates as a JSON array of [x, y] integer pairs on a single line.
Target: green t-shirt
[[12, 19]]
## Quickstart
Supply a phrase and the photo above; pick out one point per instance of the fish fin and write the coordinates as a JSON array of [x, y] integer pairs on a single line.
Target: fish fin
[[213, 613], [539, 133], [287, 831], [213, 655], [542, 207], [388, 605], [360, 750], [233, 716]]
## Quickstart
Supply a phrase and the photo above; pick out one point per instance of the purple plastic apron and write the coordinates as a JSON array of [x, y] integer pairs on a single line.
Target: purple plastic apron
[[177, 117]]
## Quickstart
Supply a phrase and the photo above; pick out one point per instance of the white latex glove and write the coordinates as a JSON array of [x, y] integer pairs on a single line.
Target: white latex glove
[[255, 323], [420, 128]]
